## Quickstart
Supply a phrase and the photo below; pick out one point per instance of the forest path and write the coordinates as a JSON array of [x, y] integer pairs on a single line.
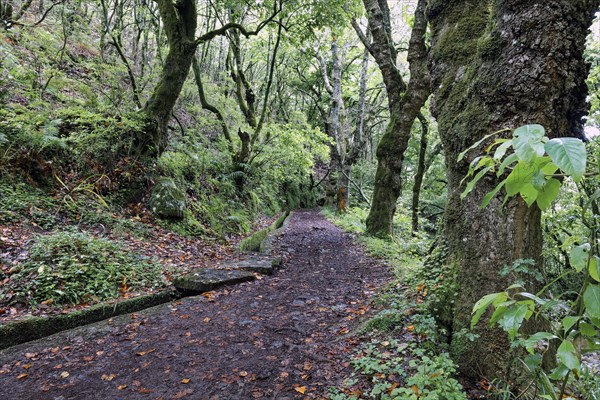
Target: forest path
[[280, 337]]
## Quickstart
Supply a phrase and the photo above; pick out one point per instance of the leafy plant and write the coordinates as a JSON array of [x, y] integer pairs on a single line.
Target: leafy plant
[[73, 267], [533, 166]]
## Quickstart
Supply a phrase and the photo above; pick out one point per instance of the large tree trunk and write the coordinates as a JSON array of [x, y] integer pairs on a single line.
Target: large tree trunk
[[179, 20], [404, 102], [500, 65]]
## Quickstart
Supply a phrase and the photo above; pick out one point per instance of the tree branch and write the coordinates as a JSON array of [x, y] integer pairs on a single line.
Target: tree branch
[[363, 38], [239, 27], [206, 105], [360, 191]]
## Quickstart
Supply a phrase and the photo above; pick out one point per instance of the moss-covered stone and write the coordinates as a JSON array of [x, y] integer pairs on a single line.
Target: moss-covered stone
[[209, 279], [259, 263], [259, 241], [167, 200], [32, 328], [255, 241]]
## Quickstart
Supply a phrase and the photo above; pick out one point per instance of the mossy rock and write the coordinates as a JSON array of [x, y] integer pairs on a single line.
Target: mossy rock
[[167, 200]]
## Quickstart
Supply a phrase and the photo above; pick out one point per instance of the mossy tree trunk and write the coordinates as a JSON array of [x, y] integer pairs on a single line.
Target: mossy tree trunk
[[179, 20], [499, 65], [404, 101]]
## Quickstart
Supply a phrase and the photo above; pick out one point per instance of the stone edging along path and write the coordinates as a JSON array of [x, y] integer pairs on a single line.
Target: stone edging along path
[[258, 258]]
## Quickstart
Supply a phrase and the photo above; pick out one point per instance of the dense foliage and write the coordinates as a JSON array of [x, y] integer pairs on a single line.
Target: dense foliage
[[249, 109], [73, 268]]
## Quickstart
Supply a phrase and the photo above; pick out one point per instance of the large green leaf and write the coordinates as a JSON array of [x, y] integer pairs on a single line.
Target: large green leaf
[[528, 141], [591, 299], [513, 318], [568, 322], [488, 197], [594, 268], [569, 155], [567, 355], [501, 150], [483, 303], [529, 193], [587, 329], [547, 195], [474, 181], [578, 256], [559, 372], [521, 175]]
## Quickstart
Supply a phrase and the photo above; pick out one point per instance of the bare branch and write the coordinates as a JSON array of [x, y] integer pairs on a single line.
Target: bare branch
[[363, 38]]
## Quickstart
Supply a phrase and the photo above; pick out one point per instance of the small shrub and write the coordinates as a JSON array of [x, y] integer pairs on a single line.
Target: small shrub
[[71, 267]]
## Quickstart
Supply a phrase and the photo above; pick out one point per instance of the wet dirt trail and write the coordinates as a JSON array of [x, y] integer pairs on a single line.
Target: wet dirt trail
[[279, 337]]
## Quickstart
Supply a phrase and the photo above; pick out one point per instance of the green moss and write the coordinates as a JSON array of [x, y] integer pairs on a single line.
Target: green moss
[[490, 45], [460, 41], [33, 328], [254, 242]]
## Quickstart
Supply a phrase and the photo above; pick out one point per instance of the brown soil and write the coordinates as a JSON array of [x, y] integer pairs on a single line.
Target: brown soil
[[280, 337]]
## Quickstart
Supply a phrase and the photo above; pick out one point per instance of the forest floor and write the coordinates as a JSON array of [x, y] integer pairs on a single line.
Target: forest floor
[[177, 254], [280, 337]]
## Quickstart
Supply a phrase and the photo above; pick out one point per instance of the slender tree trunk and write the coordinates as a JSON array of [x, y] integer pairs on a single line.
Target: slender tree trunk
[[500, 65], [404, 102], [416, 192], [336, 119]]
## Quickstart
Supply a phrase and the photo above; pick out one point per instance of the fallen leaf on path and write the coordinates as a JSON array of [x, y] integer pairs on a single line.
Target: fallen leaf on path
[[22, 376], [64, 374], [243, 373], [185, 381], [301, 389], [108, 377], [143, 353]]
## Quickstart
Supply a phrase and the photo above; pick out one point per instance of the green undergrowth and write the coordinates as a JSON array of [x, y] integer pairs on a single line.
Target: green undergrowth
[[73, 267], [54, 209], [402, 353]]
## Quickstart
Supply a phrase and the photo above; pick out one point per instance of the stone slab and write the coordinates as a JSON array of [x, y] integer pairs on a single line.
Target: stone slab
[[265, 265], [205, 280]]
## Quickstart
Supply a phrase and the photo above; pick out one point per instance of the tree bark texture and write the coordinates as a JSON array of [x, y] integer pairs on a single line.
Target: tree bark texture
[[404, 102], [179, 20], [499, 64]]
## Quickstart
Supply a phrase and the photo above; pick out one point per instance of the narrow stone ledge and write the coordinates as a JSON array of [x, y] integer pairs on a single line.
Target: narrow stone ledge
[[209, 279], [31, 328]]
